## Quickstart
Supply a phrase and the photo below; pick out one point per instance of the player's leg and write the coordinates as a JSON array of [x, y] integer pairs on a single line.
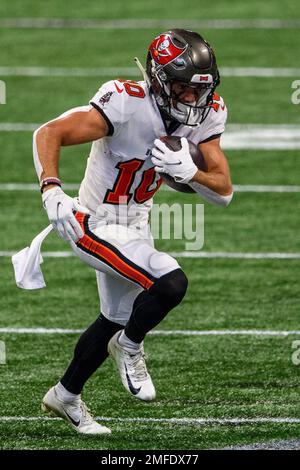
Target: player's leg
[[127, 254], [148, 310], [160, 286], [152, 305], [113, 249], [64, 399], [116, 297], [90, 352]]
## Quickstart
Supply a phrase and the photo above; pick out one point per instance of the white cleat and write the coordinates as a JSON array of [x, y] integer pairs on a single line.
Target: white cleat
[[133, 370], [75, 413]]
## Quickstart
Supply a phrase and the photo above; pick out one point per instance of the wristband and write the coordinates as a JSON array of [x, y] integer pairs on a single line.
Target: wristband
[[50, 181]]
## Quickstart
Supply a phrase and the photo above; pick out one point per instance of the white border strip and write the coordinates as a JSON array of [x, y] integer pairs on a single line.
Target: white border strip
[[180, 421], [263, 72], [145, 23], [239, 188], [183, 254], [256, 332]]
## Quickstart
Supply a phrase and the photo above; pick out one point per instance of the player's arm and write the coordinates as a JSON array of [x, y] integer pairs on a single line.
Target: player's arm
[[74, 127], [217, 177]]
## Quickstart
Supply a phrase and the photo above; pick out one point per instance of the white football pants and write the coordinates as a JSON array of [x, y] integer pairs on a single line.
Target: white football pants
[[125, 261]]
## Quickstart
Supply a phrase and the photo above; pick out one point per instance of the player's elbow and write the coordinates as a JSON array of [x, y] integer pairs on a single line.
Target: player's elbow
[[224, 200], [226, 195], [223, 197]]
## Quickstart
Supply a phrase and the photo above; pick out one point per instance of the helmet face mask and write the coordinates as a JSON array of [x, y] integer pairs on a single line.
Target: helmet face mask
[[180, 65], [189, 111]]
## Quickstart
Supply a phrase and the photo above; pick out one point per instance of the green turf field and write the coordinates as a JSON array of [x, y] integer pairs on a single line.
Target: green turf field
[[221, 377]]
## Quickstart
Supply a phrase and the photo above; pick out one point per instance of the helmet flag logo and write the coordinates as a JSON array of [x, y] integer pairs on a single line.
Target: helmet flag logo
[[164, 45], [163, 50]]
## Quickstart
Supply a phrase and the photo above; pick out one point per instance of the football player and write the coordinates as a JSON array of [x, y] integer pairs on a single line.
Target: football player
[[138, 285]]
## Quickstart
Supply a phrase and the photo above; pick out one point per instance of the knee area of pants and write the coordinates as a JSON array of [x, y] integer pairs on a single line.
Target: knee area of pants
[[172, 286]]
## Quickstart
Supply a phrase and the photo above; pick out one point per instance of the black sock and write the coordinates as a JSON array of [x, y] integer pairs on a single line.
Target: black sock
[[90, 352], [151, 306]]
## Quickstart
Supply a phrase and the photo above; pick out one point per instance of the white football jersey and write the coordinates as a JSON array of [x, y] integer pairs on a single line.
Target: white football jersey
[[120, 179]]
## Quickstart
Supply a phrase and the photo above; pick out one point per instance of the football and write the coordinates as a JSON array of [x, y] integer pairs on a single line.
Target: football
[[173, 142]]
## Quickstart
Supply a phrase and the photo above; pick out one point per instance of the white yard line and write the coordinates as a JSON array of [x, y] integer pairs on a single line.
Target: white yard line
[[259, 136], [232, 255], [254, 332], [239, 188], [257, 188], [263, 72], [237, 136], [179, 421], [35, 187], [143, 23], [184, 254], [46, 254], [252, 129], [18, 126], [70, 72], [267, 72]]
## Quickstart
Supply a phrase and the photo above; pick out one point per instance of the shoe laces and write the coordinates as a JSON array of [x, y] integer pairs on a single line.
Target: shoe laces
[[87, 417], [138, 364]]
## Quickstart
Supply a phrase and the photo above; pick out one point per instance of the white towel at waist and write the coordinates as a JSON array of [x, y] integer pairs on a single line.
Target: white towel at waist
[[27, 262]]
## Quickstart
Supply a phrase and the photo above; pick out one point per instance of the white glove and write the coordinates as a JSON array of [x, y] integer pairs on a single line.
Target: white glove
[[59, 207], [178, 164]]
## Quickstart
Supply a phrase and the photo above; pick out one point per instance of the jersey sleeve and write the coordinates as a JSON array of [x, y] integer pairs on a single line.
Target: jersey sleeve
[[214, 124], [112, 103]]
